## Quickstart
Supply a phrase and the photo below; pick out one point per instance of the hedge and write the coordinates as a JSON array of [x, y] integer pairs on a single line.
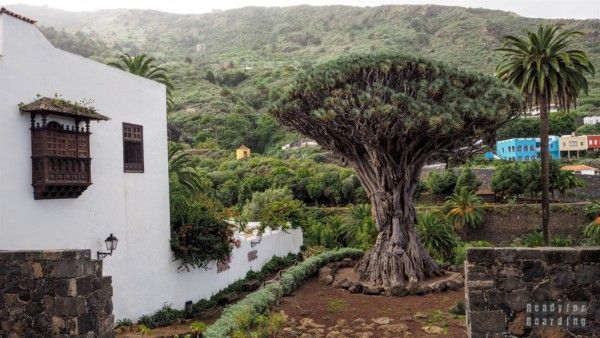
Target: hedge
[[262, 300]]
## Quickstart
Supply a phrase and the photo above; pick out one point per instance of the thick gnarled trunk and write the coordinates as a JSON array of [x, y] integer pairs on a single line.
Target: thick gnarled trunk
[[398, 256]]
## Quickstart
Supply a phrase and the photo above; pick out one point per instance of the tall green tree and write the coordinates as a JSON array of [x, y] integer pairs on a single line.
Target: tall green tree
[[386, 115], [145, 66], [547, 71]]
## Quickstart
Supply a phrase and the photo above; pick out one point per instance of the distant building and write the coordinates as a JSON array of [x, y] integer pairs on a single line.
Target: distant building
[[242, 152], [572, 145], [593, 142], [589, 120], [525, 149], [581, 169], [306, 142]]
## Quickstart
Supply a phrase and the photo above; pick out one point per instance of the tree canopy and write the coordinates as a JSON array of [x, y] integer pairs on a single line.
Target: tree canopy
[[395, 102]]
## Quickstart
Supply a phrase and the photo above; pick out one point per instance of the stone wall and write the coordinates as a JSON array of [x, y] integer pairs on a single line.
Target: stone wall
[[515, 291], [503, 223], [54, 294]]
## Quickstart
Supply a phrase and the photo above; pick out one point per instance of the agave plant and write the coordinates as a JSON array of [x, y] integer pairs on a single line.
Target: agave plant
[[436, 234], [464, 210]]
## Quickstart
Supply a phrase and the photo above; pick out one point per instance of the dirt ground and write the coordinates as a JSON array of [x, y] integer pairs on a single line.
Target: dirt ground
[[316, 310]]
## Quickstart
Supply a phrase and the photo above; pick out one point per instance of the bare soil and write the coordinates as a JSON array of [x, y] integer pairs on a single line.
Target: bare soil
[[327, 306]]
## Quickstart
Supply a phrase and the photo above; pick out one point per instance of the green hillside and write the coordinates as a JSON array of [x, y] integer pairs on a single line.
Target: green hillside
[[262, 49]]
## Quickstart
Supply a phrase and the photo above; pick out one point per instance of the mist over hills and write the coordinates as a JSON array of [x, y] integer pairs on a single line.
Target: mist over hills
[[254, 52]]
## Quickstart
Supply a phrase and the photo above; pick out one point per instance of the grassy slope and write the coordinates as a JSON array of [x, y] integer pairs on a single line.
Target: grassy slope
[[271, 44]]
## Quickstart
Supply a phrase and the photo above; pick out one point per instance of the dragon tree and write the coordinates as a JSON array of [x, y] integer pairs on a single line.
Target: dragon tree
[[385, 115]]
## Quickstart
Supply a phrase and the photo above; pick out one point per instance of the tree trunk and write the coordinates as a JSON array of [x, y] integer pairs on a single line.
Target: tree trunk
[[545, 174], [398, 256]]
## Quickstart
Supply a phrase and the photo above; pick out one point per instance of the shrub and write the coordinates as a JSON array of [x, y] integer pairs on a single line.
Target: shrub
[[252, 210], [198, 236], [592, 211], [592, 231], [458, 309], [441, 184], [262, 300], [358, 227], [468, 180], [124, 322], [163, 317], [436, 235], [561, 241], [250, 326], [198, 327], [460, 251], [531, 239]]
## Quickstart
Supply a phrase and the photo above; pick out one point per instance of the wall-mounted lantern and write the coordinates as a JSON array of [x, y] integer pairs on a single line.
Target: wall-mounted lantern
[[111, 245]]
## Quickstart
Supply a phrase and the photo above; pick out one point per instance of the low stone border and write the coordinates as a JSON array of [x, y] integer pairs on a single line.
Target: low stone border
[[453, 281]]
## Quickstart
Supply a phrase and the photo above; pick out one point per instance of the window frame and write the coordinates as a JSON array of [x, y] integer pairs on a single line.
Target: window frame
[[127, 169]]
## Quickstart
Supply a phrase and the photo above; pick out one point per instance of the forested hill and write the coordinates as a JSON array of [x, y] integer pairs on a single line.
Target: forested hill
[[254, 52]]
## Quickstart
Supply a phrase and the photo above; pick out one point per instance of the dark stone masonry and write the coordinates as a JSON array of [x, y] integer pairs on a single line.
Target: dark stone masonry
[[54, 294], [522, 292]]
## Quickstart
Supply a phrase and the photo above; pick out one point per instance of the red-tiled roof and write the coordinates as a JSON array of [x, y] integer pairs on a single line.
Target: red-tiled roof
[[15, 15], [579, 167]]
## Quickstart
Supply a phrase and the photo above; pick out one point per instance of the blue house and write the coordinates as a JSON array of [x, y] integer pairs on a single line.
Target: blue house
[[525, 149]]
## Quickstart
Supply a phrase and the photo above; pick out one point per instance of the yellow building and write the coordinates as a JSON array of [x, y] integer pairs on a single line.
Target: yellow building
[[572, 145], [242, 152]]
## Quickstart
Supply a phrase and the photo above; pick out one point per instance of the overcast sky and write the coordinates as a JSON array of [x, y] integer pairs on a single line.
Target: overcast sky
[[575, 9]]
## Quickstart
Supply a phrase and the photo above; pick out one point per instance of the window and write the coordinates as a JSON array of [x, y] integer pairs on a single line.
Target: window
[[519, 148], [133, 148]]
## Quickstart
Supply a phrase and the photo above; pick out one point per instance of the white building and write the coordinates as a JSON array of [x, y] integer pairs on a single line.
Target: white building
[[588, 120], [305, 142], [129, 194]]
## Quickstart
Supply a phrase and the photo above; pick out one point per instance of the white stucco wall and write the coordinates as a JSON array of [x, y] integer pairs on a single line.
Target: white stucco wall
[[135, 207]]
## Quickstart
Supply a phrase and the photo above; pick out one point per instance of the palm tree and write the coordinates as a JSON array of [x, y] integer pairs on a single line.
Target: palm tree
[[144, 66], [547, 71], [181, 168], [464, 210]]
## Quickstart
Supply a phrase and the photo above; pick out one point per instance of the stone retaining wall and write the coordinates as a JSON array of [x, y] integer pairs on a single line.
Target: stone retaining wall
[[508, 289], [54, 294]]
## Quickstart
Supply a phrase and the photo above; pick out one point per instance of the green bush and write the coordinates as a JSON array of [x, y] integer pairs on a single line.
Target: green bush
[[261, 301], [561, 241], [468, 180], [163, 317], [460, 251], [531, 239], [198, 236], [592, 231], [441, 183], [592, 211], [436, 234]]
